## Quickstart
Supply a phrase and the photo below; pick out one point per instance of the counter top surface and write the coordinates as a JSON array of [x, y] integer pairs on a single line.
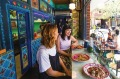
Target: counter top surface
[[77, 72]]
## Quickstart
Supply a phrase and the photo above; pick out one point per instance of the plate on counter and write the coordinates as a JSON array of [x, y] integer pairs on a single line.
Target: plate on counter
[[80, 57], [96, 71]]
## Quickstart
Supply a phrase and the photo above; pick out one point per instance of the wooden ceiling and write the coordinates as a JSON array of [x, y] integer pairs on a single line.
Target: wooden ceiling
[[61, 1]]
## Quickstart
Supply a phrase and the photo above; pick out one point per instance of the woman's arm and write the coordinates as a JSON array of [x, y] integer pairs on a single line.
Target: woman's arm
[[58, 48], [64, 67], [75, 41], [54, 73]]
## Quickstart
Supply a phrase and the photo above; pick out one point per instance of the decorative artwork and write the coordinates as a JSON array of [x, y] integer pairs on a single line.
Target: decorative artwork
[[43, 6], [13, 24], [48, 1], [24, 0], [13, 14], [21, 17], [34, 4], [22, 24], [24, 56]]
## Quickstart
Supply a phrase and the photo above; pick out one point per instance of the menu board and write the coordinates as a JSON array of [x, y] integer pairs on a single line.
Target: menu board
[[43, 6], [34, 4]]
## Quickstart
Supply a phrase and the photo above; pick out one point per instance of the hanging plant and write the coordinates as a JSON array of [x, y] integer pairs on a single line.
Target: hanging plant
[[93, 35]]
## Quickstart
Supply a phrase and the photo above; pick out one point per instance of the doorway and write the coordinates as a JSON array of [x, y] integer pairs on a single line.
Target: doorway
[[19, 37], [16, 45]]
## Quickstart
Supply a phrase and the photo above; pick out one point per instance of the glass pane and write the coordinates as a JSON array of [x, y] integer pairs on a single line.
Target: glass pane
[[1, 46], [38, 25], [13, 14], [24, 0], [22, 28], [14, 28]]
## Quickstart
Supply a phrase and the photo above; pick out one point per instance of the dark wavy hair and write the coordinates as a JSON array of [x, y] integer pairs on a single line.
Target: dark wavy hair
[[63, 31], [48, 37]]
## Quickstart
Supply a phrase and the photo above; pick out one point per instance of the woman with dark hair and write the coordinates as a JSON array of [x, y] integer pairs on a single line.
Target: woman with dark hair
[[64, 42], [50, 64]]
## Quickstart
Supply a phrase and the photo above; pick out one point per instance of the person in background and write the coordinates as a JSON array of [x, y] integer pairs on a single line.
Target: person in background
[[60, 26], [117, 42], [117, 39], [50, 64], [110, 37], [63, 45]]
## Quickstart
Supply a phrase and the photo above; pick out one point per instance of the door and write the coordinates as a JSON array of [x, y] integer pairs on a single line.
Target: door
[[23, 40], [19, 23]]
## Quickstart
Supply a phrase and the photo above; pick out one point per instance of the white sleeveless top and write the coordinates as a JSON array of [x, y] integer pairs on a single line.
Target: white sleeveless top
[[65, 44]]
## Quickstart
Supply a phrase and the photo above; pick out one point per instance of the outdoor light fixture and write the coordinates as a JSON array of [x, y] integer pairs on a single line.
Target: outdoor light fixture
[[72, 6]]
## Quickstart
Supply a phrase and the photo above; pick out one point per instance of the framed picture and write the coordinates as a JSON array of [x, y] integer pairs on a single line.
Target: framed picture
[[48, 9], [34, 4], [13, 24], [43, 6], [13, 14], [24, 0]]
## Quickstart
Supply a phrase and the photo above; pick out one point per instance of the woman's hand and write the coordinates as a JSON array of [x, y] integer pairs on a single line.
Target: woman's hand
[[68, 54], [68, 73]]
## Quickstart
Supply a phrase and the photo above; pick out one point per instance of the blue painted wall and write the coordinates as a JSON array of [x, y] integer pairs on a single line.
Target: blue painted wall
[[7, 58], [7, 66], [35, 44]]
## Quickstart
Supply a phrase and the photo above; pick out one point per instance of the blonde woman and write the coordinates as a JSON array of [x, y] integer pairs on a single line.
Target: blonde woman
[[50, 64]]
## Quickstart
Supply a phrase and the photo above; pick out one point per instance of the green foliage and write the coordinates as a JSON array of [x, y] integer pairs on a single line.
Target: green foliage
[[93, 35]]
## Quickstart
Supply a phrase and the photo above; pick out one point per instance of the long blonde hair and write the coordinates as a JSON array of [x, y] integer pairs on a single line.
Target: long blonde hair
[[48, 37]]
